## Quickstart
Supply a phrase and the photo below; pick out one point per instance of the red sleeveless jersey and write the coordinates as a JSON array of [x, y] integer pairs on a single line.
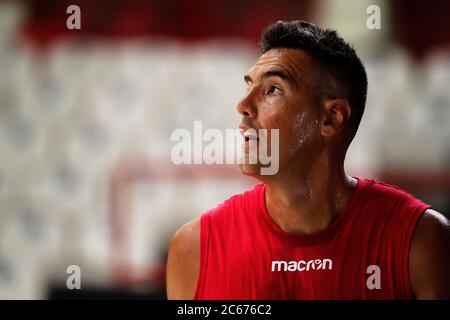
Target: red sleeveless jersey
[[363, 254]]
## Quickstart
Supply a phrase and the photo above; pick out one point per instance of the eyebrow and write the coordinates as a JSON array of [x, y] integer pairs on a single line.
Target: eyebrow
[[271, 73]]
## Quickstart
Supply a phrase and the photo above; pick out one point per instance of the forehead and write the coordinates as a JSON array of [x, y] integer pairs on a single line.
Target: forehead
[[295, 62]]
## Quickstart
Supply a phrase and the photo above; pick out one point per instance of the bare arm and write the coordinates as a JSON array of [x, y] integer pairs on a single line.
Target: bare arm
[[183, 262], [429, 260]]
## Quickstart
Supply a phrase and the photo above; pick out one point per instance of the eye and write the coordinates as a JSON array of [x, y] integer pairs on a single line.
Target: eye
[[273, 90]]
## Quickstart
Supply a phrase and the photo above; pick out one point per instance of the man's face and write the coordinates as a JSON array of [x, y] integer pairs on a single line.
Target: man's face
[[281, 95]]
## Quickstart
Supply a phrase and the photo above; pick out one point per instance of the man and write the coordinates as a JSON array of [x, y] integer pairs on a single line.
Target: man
[[310, 231]]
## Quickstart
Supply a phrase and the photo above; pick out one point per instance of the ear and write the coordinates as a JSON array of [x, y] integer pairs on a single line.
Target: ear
[[335, 117]]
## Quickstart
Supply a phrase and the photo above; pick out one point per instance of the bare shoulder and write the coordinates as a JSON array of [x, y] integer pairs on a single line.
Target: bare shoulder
[[187, 237], [183, 261], [432, 228], [430, 257]]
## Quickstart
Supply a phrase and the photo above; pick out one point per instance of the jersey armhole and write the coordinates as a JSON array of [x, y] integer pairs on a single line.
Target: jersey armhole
[[204, 249], [406, 280]]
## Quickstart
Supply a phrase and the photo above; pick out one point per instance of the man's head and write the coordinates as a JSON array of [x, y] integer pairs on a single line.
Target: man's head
[[308, 83]]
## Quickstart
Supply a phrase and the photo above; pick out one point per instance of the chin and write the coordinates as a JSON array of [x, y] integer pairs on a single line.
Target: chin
[[251, 170], [254, 171]]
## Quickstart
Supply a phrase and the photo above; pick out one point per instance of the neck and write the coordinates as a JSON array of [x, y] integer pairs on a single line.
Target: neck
[[304, 203]]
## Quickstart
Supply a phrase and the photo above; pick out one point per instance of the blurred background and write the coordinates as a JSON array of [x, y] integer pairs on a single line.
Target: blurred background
[[86, 118]]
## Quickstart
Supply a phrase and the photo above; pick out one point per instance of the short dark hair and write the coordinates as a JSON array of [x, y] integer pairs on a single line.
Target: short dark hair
[[340, 71]]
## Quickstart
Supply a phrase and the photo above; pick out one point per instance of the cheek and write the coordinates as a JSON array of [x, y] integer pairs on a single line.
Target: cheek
[[296, 129], [302, 131], [273, 115], [270, 119]]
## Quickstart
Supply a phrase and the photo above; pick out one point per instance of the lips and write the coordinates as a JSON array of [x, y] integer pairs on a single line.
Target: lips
[[248, 133], [249, 136]]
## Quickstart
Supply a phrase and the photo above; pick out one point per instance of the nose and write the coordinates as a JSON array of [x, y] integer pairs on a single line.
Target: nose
[[247, 106]]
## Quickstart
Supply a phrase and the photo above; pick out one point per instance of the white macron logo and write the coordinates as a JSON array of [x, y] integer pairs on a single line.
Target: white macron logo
[[302, 265]]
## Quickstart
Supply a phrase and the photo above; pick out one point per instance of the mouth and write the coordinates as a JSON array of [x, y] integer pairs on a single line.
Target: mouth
[[249, 134]]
